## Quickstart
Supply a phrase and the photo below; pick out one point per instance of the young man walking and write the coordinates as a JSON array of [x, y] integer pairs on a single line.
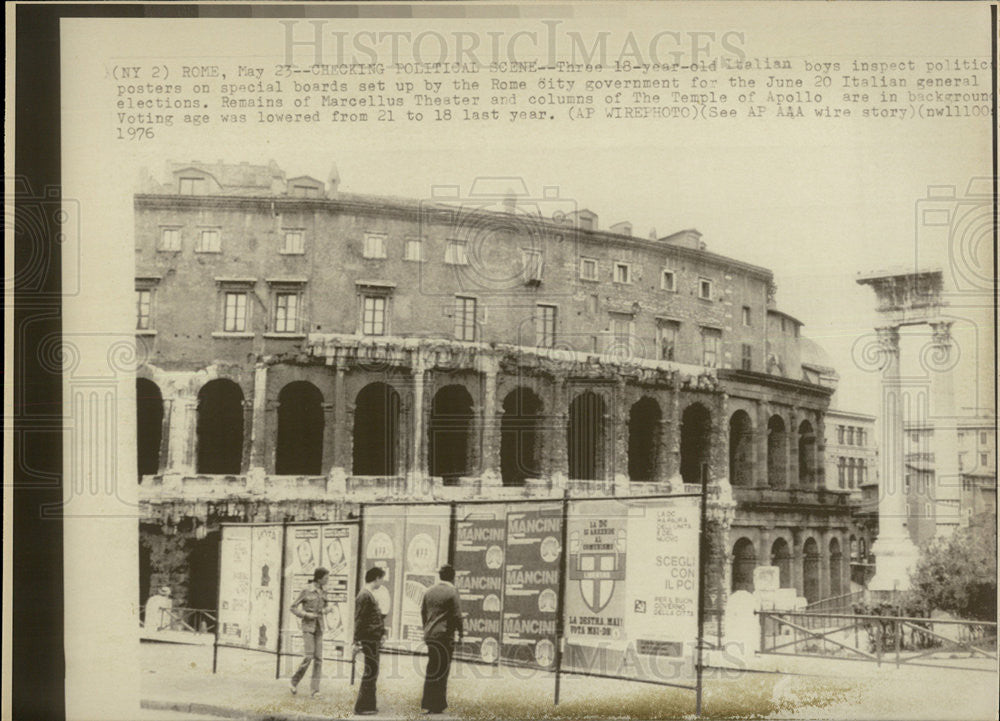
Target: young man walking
[[369, 629], [441, 613], [310, 606]]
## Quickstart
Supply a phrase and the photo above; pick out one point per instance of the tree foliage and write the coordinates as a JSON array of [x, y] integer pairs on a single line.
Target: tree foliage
[[958, 574]]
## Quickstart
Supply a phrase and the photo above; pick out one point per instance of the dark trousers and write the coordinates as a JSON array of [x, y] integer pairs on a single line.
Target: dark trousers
[[366, 693], [439, 653]]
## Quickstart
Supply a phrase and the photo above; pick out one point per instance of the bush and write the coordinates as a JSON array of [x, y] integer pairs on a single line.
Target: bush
[[958, 574]]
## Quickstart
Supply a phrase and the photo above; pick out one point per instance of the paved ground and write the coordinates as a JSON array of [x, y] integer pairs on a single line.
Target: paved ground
[[179, 678]]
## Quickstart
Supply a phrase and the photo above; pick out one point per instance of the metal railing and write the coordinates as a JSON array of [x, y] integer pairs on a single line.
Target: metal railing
[[891, 639], [836, 604], [188, 620]]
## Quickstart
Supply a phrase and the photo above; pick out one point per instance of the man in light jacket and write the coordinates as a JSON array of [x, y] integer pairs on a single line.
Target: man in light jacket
[[310, 607], [441, 613]]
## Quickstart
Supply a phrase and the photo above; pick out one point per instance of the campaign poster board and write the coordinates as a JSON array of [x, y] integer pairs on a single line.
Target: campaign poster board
[[426, 536], [385, 528], [334, 547], [265, 586], [531, 584], [480, 541], [646, 626], [234, 586]]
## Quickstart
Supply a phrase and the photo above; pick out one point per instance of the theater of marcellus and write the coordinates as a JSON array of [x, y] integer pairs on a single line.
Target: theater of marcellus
[[304, 350]]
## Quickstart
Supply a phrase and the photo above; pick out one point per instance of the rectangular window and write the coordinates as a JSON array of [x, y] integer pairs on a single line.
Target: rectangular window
[[850, 435], [286, 312], [588, 269], [545, 326], [455, 253], [841, 473], [984, 459], [414, 250], [668, 281], [294, 242], [850, 473], [746, 315], [170, 239], [465, 318], [144, 304], [862, 472], [668, 331], [705, 289], [746, 357], [235, 313], [840, 435], [710, 341], [623, 273], [374, 246], [192, 186], [982, 438], [373, 315], [208, 242], [531, 260]]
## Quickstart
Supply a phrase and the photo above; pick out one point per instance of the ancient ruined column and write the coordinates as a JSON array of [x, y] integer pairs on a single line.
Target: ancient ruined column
[[490, 459], [946, 491], [258, 422], [417, 471]]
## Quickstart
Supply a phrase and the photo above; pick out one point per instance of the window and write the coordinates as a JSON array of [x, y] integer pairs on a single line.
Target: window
[[710, 339], [850, 473], [593, 304], [862, 437], [208, 242], [862, 472], [746, 315], [850, 435], [545, 326], [305, 191], [455, 253], [705, 289], [373, 315], [465, 318], [746, 359], [982, 438], [841, 472], [906, 482], [621, 334], [235, 311], [294, 242], [840, 435], [413, 250], [286, 312], [192, 186], [668, 331], [531, 260], [588, 269], [170, 239], [143, 310], [374, 245], [623, 273], [668, 281], [984, 459]]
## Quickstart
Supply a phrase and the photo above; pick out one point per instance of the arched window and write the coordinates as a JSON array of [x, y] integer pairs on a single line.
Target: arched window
[[807, 456], [777, 452], [836, 568], [810, 570], [149, 426], [220, 427], [299, 447], [781, 557], [450, 434], [744, 562]]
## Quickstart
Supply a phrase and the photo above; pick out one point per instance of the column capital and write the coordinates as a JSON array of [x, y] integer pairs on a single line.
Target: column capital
[[888, 339], [941, 333]]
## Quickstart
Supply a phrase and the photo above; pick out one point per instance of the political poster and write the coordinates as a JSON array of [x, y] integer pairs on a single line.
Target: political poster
[[480, 538], [265, 586], [382, 545], [234, 586], [426, 537], [531, 584], [631, 599]]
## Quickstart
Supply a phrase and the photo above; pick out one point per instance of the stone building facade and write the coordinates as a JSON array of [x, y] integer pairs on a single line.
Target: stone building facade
[[305, 349]]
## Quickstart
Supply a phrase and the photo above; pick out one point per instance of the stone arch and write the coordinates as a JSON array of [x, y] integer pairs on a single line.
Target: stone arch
[[740, 449], [781, 556], [777, 452], [744, 562], [585, 437], [298, 448], [807, 455], [376, 431], [148, 426], [696, 443], [644, 423], [520, 437], [450, 433], [810, 570], [220, 427]]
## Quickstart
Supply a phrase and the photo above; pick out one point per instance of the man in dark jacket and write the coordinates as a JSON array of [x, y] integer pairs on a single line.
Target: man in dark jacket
[[310, 607], [441, 613], [368, 632]]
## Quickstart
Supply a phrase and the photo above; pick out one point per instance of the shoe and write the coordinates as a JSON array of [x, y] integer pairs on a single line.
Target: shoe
[[291, 687], [316, 694], [367, 713]]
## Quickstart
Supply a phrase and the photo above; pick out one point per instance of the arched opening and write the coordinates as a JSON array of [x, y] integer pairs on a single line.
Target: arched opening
[[449, 443], [810, 571], [807, 455], [220, 427], [376, 431], [520, 437], [643, 439], [299, 448], [744, 562], [585, 442], [696, 443], [777, 452], [203, 565], [148, 426], [781, 556], [740, 449], [836, 568]]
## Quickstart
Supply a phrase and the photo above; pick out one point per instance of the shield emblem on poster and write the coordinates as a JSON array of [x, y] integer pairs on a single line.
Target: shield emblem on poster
[[597, 563]]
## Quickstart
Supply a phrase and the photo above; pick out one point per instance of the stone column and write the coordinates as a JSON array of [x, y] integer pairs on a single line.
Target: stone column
[[341, 447], [673, 423], [555, 442], [824, 564], [488, 422], [182, 431], [261, 457], [760, 445], [329, 433], [618, 415], [946, 491], [792, 446], [894, 550], [797, 559], [246, 461], [819, 472], [417, 470]]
